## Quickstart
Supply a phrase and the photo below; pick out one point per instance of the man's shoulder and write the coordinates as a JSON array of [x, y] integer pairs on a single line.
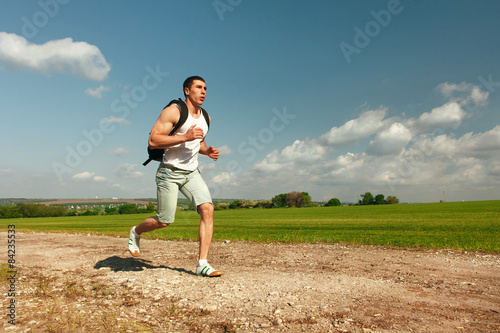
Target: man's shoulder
[[173, 109]]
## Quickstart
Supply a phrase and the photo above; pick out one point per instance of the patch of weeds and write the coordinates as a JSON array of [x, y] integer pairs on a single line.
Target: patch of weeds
[[175, 312], [72, 319], [4, 273], [56, 319], [73, 290], [100, 289], [109, 321], [42, 285]]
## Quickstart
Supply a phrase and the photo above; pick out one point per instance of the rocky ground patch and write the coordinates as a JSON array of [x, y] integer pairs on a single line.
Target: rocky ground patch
[[87, 283]]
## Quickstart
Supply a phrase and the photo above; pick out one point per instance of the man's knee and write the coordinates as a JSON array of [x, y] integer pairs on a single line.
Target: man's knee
[[206, 209], [161, 224]]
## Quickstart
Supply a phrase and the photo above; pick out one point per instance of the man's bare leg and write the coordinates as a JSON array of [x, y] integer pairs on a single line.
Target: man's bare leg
[[148, 224], [206, 230], [205, 236]]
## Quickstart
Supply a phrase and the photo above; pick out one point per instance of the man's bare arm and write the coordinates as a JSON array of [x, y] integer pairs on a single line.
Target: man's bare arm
[[159, 137], [211, 152]]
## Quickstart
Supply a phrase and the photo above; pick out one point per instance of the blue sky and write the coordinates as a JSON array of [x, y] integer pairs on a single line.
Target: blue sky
[[331, 98]]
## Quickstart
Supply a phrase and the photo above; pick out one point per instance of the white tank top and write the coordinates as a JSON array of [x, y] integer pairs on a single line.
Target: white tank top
[[185, 155]]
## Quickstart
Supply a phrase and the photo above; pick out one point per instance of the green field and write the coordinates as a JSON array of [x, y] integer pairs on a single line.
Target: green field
[[455, 225]]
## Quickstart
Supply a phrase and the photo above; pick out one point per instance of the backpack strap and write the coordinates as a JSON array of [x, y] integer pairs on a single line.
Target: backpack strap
[[207, 118], [156, 154], [184, 114]]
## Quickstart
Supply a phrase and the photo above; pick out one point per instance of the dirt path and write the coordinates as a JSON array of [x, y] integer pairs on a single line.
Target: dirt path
[[83, 283]]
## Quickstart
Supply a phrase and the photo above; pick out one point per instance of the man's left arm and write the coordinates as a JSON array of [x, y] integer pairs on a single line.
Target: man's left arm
[[211, 152]]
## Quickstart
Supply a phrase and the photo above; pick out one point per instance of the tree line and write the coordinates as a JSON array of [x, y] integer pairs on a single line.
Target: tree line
[[291, 199], [379, 199], [23, 210]]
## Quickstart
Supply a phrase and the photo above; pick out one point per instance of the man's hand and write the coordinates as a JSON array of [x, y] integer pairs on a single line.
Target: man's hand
[[194, 133], [213, 153]]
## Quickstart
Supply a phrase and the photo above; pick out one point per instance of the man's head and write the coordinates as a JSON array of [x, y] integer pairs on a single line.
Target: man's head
[[189, 82]]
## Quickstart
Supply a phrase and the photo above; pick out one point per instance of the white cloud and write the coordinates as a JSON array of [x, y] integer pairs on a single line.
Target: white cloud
[[271, 163], [100, 179], [448, 115], [226, 178], [355, 130], [464, 93], [344, 165], [479, 96], [390, 141], [60, 56], [402, 158], [128, 170], [97, 92], [86, 176], [115, 120], [448, 89], [469, 144], [6, 172], [225, 151], [308, 151], [482, 142], [120, 151], [83, 176]]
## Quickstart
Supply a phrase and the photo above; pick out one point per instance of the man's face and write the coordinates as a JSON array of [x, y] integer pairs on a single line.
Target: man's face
[[197, 92]]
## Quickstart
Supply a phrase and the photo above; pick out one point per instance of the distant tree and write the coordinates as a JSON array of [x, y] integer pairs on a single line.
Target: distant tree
[[280, 200], [366, 199], [333, 202], [236, 204], [10, 212], [89, 212], [379, 199], [128, 209], [391, 200], [264, 204], [295, 199], [111, 210], [72, 212], [307, 200], [150, 207], [221, 206]]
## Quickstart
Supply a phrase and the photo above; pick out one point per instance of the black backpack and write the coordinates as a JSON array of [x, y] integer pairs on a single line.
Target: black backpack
[[157, 154]]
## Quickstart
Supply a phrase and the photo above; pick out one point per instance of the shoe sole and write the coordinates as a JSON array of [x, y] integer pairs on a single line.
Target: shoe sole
[[213, 274], [134, 253]]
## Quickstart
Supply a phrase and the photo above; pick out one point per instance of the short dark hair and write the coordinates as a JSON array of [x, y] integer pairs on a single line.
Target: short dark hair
[[189, 82]]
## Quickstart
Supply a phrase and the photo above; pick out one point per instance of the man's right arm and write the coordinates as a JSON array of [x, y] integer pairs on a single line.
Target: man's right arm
[[160, 138]]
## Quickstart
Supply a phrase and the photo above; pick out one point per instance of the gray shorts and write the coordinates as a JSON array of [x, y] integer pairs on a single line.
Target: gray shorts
[[169, 181]]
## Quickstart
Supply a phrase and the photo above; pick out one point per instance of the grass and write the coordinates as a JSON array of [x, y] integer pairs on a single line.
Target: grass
[[455, 225]]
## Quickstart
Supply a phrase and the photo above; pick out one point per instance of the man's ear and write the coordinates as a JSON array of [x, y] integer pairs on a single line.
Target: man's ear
[[186, 91]]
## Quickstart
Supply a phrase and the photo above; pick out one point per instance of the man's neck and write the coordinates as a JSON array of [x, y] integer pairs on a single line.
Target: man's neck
[[193, 108]]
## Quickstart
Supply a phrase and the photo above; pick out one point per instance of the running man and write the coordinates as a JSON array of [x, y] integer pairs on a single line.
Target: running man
[[179, 171]]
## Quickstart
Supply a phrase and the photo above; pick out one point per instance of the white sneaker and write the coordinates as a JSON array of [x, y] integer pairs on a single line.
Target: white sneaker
[[207, 270], [133, 243]]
